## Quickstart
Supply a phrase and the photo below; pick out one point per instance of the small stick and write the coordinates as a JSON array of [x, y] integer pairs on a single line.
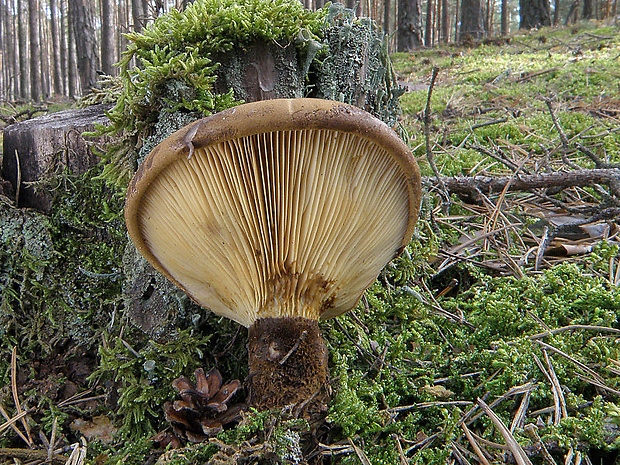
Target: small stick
[[532, 432], [474, 445], [427, 135], [489, 123], [556, 387], [459, 455], [517, 451], [581, 365], [549, 332], [29, 454], [401, 454], [16, 395], [302, 337]]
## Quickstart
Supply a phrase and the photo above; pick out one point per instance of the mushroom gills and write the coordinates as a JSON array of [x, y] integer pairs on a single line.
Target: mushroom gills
[[266, 227]]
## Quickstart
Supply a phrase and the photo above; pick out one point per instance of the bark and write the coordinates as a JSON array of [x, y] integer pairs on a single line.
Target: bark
[[409, 33], [556, 12], [571, 16], [428, 30], [588, 10], [534, 13], [287, 358], [24, 68], [40, 147], [56, 67], [82, 21], [472, 20], [107, 37], [44, 58], [262, 71], [4, 74], [504, 18], [15, 57], [138, 13], [35, 50], [445, 21], [63, 49], [472, 186], [387, 5]]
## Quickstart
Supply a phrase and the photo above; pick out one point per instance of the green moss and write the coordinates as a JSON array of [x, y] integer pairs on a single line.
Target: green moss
[[175, 66]]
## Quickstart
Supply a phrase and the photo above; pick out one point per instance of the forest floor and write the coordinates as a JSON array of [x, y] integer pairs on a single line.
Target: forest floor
[[495, 337]]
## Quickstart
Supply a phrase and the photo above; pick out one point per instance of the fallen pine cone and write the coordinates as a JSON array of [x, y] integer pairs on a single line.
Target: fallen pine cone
[[203, 410]]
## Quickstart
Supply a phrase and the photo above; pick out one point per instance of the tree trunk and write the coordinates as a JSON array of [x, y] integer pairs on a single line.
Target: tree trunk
[[445, 21], [71, 57], [35, 63], [56, 59], [24, 68], [472, 20], [107, 37], [4, 74], [81, 17], [504, 19], [409, 34], [556, 12], [15, 55], [387, 5], [138, 14], [428, 32], [571, 16], [534, 13], [45, 146], [44, 58], [587, 12]]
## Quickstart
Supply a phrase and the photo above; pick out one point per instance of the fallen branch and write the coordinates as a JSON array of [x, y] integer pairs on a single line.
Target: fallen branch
[[473, 186]]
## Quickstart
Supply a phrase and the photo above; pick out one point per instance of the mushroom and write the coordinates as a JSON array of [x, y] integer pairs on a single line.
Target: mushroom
[[277, 214]]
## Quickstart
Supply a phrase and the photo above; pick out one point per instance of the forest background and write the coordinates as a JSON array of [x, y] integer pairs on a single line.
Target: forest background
[[492, 339], [60, 47]]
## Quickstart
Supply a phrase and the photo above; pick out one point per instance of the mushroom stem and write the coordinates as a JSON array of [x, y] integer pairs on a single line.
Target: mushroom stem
[[288, 365]]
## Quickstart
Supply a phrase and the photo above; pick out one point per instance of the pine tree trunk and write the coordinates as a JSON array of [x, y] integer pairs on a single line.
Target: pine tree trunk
[[504, 20], [15, 55], [472, 20], [4, 79], [24, 67], [71, 59], [387, 4], [409, 33], [56, 66], [82, 20], [107, 37], [428, 33], [445, 21], [138, 14], [534, 13], [35, 64], [64, 54]]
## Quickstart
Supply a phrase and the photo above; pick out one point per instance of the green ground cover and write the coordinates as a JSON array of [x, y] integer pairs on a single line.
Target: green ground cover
[[460, 332]]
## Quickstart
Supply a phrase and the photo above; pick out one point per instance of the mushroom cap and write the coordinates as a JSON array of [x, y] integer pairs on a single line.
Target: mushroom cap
[[276, 208]]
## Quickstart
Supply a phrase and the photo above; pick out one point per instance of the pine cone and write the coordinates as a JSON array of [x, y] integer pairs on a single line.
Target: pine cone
[[203, 410]]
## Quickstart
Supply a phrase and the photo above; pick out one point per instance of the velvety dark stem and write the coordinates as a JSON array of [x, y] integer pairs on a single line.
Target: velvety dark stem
[[288, 366]]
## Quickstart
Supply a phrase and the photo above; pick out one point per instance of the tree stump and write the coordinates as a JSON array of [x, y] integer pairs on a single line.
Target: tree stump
[[37, 149]]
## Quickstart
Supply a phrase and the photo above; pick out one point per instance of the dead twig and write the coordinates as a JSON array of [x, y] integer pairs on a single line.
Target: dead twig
[[474, 445], [517, 451], [427, 135], [579, 364], [472, 186], [18, 406]]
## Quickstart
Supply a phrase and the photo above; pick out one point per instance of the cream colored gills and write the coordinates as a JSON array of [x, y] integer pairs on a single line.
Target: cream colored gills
[[263, 227]]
